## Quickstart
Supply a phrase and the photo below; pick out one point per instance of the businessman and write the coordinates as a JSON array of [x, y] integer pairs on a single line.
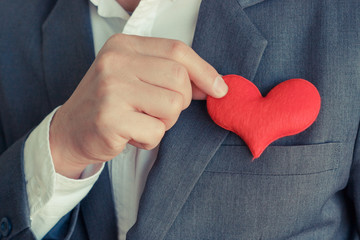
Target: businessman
[[105, 135]]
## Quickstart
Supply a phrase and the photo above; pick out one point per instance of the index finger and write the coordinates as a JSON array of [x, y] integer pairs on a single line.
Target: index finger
[[201, 73]]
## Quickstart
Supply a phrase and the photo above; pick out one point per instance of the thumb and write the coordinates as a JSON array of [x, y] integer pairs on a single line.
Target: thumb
[[219, 90], [197, 93]]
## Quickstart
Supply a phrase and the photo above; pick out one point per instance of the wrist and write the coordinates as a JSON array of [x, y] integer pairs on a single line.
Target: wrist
[[65, 161]]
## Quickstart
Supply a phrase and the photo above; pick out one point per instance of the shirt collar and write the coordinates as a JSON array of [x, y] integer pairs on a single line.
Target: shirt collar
[[110, 8]]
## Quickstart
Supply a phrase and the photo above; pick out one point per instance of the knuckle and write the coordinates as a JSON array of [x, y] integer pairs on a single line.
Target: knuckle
[[107, 81], [100, 122], [158, 132], [188, 99], [169, 123], [110, 60], [104, 87], [100, 65], [180, 73], [182, 83], [104, 130], [112, 145], [102, 116], [178, 50], [175, 104], [123, 41], [117, 37], [105, 60]]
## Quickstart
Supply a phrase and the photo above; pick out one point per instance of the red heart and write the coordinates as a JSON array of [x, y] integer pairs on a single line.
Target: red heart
[[289, 108]]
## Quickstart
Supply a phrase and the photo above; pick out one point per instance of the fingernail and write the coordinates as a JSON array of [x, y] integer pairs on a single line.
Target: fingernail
[[220, 88]]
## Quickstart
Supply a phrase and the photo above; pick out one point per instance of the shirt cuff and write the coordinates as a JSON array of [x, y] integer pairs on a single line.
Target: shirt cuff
[[51, 195]]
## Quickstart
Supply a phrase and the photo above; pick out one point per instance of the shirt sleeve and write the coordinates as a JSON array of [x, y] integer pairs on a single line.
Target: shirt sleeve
[[51, 195]]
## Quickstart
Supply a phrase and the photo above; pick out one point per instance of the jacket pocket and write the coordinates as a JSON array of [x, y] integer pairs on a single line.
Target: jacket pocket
[[277, 160]]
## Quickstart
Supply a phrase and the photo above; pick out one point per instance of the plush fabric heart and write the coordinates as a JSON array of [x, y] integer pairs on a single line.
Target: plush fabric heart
[[289, 108]]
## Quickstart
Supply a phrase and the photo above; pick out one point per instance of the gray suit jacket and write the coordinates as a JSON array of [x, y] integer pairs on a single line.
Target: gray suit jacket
[[203, 184]]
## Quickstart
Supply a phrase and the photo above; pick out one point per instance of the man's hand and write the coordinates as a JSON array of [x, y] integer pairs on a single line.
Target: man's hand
[[134, 91]]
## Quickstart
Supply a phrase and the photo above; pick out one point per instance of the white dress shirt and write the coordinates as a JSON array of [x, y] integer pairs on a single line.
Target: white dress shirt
[[52, 195]]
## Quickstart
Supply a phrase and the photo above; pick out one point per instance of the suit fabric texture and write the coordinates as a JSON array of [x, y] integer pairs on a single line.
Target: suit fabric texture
[[203, 184]]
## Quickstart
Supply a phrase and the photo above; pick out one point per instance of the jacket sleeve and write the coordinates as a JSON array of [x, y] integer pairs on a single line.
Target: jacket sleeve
[[14, 210]]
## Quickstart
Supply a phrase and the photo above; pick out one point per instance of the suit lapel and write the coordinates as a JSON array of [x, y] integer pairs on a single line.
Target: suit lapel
[[183, 155], [227, 39], [67, 48]]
